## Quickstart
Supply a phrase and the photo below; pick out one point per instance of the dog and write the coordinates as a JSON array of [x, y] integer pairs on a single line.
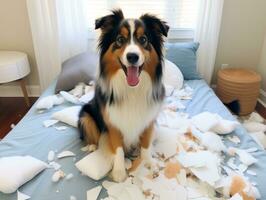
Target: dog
[[129, 91]]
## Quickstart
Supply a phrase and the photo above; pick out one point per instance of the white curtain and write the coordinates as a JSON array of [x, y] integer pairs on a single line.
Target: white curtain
[[207, 34], [59, 31]]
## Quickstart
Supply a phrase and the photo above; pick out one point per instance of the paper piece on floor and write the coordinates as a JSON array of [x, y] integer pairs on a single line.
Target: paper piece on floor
[[252, 173], [212, 142], [49, 122], [69, 176], [58, 175], [203, 165], [235, 139], [72, 197], [182, 177], [56, 166], [93, 193], [61, 128], [69, 97], [64, 154], [252, 149], [21, 196], [192, 159], [12, 126], [51, 155], [245, 157]]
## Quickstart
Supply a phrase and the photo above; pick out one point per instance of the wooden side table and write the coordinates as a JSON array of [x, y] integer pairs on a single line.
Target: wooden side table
[[239, 84], [14, 66]]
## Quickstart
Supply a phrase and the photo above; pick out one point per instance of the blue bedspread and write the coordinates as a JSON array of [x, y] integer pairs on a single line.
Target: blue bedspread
[[29, 137]]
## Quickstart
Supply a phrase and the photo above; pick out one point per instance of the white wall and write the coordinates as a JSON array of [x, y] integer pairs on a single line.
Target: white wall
[[15, 34], [242, 33], [262, 70]]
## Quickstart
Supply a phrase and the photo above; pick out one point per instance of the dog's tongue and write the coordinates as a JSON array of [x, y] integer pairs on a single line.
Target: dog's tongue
[[132, 75]]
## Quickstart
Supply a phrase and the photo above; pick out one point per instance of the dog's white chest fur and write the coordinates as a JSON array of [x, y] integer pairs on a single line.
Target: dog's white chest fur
[[136, 110]]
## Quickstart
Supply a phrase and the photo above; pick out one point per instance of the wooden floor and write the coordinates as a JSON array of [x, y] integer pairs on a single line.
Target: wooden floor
[[12, 109]]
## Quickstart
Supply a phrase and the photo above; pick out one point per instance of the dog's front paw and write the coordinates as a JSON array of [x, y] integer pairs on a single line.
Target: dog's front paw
[[119, 175]]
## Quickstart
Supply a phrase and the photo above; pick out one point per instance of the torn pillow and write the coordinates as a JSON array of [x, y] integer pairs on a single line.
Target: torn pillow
[[17, 170], [68, 115]]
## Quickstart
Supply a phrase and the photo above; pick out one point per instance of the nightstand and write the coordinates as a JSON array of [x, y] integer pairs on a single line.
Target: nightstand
[[239, 84], [14, 66]]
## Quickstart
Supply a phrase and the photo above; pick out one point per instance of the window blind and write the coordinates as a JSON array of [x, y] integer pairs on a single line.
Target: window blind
[[179, 14]]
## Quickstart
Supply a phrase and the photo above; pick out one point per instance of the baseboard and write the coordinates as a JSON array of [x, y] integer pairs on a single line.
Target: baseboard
[[262, 98], [15, 91]]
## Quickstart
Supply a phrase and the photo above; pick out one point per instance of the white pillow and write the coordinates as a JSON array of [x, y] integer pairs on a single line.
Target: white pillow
[[96, 165], [68, 115], [17, 170], [172, 75]]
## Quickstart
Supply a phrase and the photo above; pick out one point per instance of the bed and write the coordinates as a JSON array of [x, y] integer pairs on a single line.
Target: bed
[[29, 137]]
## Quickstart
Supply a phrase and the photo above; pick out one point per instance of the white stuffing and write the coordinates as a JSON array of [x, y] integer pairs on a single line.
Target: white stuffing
[[58, 175], [56, 166], [17, 170], [49, 101], [68, 115]]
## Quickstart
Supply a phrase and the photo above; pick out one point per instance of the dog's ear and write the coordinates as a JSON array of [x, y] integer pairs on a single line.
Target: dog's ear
[[109, 21], [154, 23]]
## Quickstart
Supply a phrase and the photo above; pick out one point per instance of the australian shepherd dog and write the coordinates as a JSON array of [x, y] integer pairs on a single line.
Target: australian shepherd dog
[[129, 91]]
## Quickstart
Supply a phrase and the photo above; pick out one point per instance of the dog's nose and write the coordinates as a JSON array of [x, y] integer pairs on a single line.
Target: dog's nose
[[132, 58]]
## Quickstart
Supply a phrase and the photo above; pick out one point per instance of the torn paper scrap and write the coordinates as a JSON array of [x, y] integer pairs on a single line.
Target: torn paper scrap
[[64, 154], [49, 122], [93, 193], [21, 196], [61, 128], [245, 157], [51, 155]]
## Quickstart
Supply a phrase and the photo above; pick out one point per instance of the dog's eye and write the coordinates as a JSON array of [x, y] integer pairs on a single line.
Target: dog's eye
[[120, 40], [142, 40]]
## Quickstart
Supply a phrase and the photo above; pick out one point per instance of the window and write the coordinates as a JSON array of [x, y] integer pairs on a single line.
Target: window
[[181, 15]]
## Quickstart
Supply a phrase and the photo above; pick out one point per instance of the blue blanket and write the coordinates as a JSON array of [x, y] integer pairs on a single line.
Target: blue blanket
[[29, 137]]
